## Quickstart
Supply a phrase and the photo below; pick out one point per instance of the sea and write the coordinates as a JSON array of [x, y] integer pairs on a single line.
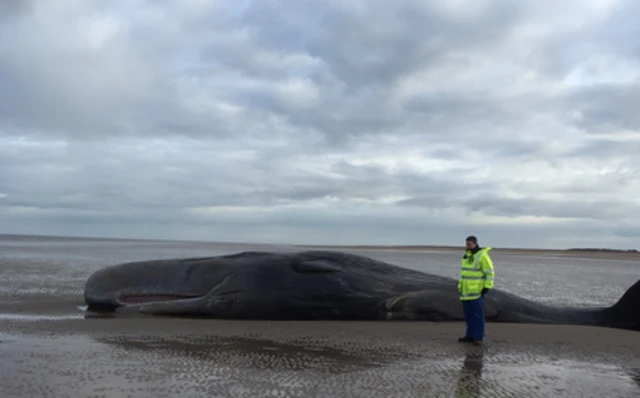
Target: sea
[[42, 265]]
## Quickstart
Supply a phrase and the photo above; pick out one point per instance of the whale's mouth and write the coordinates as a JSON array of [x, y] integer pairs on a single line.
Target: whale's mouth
[[153, 298], [133, 299]]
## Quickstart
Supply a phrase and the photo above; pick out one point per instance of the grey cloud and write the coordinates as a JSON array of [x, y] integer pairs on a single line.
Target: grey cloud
[[441, 116], [585, 208], [355, 70], [579, 203], [221, 119], [280, 40], [105, 179], [612, 35], [610, 148], [606, 108], [394, 39], [111, 79], [575, 44], [627, 231], [10, 9]]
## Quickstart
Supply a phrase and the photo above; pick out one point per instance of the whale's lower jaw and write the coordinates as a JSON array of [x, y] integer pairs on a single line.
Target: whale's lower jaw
[[153, 298], [102, 307], [132, 299]]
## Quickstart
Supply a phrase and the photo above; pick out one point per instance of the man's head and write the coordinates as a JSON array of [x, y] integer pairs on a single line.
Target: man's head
[[472, 242]]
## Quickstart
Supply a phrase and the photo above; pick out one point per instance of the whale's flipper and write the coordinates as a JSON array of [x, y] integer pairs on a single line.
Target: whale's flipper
[[625, 314]]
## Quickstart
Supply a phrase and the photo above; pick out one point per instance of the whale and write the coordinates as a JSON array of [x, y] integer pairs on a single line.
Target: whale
[[319, 285]]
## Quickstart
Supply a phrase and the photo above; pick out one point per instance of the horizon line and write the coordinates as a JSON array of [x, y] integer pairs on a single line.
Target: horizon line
[[317, 245]]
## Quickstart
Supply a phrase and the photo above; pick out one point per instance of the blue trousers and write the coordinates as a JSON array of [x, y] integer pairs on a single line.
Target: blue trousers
[[474, 316]]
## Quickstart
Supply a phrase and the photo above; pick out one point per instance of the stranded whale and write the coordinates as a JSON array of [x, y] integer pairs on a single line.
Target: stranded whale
[[318, 285]]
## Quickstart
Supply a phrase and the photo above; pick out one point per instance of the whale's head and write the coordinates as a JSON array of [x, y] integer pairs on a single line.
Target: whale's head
[[167, 282], [310, 284], [198, 284]]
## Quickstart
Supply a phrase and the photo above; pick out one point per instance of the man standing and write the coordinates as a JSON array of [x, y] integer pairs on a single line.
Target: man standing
[[476, 279]]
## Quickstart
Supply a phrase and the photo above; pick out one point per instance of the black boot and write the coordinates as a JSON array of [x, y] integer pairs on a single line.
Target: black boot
[[465, 339]]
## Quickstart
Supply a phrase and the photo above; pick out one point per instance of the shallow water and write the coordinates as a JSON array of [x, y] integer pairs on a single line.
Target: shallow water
[[39, 317], [32, 266], [47, 349]]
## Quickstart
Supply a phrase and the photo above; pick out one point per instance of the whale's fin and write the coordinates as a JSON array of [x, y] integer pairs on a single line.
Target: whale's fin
[[316, 266], [625, 314]]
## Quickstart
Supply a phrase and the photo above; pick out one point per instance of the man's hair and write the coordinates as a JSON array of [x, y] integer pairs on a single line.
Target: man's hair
[[472, 239]]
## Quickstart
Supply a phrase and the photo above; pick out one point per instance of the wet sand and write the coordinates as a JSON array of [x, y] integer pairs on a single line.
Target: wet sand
[[68, 354], [50, 348]]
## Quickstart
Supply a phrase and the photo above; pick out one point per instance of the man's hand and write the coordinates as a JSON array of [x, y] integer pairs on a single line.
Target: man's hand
[[484, 291]]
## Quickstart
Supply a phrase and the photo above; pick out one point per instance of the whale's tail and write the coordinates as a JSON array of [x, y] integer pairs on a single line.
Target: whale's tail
[[625, 314]]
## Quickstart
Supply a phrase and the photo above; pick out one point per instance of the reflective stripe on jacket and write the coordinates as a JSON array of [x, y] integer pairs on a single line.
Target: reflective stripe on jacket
[[476, 274]]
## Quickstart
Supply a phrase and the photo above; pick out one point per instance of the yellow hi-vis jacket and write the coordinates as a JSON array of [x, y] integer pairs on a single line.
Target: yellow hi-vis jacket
[[476, 274]]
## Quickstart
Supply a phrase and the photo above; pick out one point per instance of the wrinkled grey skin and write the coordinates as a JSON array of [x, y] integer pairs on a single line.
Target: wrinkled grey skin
[[317, 285]]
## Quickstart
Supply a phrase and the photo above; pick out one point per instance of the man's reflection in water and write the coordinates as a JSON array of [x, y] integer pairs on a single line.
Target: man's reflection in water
[[635, 376], [469, 383]]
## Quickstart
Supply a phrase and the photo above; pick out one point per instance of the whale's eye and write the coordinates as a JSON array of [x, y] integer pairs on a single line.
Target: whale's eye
[[316, 266]]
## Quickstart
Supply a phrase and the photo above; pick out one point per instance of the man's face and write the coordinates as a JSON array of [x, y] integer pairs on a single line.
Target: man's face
[[470, 245]]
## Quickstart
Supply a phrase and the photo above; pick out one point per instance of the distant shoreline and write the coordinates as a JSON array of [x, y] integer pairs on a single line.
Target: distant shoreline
[[614, 254], [604, 253]]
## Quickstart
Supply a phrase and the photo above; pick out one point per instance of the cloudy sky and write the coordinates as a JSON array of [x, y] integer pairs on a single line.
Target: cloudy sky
[[333, 122]]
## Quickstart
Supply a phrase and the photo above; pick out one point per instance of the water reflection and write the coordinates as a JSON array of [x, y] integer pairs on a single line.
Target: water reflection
[[634, 374], [37, 317], [469, 382]]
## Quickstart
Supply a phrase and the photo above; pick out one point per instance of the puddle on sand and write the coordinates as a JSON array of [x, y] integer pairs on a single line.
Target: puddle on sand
[[39, 317]]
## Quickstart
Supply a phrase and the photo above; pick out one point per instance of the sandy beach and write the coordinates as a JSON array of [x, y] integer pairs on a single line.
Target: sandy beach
[[157, 357], [50, 347]]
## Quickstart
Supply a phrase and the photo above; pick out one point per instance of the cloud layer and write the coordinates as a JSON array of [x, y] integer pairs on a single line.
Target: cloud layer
[[322, 122]]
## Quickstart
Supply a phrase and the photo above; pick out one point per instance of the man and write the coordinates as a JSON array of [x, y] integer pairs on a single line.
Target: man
[[476, 279]]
